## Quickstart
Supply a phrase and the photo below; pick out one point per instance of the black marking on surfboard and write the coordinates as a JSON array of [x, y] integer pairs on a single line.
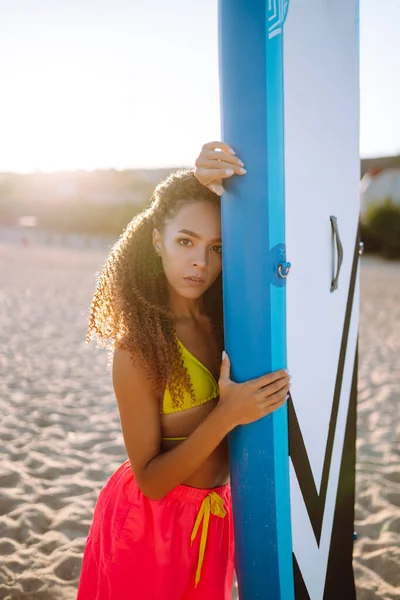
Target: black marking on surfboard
[[342, 541], [299, 585], [314, 502]]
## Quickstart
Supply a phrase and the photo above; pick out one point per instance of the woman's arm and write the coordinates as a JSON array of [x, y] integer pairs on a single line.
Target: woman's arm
[[158, 473]]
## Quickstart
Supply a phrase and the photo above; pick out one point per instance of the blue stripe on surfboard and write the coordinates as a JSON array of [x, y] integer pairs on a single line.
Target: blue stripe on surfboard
[[259, 452], [276, 208]]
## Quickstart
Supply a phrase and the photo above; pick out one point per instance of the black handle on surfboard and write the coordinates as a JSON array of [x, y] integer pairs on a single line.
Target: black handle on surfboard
[[339, 246]]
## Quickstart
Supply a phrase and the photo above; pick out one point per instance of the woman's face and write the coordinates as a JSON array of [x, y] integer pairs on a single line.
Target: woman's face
[[190, 248]]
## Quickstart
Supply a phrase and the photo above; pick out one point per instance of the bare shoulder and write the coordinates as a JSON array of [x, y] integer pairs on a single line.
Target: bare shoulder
[[122, 358], [127, 371], [122, 364]]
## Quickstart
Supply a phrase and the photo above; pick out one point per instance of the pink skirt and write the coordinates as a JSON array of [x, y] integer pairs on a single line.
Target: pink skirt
[[178, 548]]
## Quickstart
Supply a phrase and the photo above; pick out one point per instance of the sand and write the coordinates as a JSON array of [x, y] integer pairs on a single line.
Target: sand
[[60, 433]]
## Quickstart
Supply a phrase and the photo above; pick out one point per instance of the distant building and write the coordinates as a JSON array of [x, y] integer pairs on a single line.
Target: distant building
[[373, 166]]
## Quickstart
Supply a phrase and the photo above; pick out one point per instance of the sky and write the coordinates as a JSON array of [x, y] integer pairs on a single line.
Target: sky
[[134, 84]]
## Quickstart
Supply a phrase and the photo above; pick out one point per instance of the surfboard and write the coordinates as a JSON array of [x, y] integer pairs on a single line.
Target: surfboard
[[289, 88]]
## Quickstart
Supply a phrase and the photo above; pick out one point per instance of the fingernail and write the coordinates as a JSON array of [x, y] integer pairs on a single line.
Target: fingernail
[[242, 171], [232, 151], [229, 172], [223, 355], [241, 163]]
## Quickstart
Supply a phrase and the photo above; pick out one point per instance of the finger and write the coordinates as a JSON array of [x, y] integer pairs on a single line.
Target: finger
[[207, 176], [277, 397], [222, 145], [217, 188], [220, 164], [269, 408], [219, 155], [265, 397], [269, 378], [225, 370], [274, 388]]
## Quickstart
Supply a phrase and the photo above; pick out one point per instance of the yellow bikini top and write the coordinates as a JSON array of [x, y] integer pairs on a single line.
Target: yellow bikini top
[[204, 384]]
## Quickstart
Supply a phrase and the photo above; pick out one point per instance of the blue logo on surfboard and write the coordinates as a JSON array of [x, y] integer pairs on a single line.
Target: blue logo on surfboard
[[276, 14]]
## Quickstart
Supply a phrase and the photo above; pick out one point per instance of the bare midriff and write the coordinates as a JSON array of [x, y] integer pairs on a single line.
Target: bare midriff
[[214, 472]]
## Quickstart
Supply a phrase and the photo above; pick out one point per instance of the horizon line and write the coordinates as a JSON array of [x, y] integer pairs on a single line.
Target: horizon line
[[141, 168]]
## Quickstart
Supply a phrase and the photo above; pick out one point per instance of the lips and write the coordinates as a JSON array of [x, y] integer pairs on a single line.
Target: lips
[[195, 278]]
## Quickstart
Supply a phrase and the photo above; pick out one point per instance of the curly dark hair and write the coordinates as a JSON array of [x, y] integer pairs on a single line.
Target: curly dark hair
[[130, 306]]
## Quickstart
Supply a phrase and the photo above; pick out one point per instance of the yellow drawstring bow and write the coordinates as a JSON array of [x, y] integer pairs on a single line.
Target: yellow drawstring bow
[[212, 504]]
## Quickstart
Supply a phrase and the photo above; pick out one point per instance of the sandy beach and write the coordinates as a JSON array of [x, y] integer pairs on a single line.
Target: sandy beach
[[60, 433]]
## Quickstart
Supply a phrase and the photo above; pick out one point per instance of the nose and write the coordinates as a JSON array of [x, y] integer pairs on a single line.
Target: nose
[[200, 261]]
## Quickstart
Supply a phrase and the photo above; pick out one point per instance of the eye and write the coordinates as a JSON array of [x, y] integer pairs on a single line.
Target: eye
[[217, 249], [184, 241]]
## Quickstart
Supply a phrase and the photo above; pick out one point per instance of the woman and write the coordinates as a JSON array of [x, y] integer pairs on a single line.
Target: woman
[[162, 525]]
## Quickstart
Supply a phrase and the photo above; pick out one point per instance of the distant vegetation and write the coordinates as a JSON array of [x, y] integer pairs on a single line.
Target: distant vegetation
[[93, 203], [380, 229], [103, 202], [81, 216]]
